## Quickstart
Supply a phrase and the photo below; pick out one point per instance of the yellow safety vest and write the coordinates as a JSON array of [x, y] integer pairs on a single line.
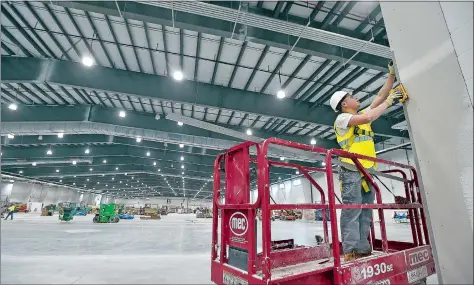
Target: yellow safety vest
[[360, 140], [11, 208]]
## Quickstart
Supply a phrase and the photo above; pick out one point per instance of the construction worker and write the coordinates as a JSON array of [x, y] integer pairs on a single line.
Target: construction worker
[[11, 209], [354, 134]]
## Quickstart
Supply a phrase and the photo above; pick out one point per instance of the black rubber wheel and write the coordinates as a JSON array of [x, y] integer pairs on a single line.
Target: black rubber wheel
[[95, 219], [117, 219]]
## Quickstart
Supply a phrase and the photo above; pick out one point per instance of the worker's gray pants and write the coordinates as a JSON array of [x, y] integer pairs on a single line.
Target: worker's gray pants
[[10, 214], [355, 223]]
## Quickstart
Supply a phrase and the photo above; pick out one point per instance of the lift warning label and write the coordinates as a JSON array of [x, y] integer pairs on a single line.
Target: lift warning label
[[228, 278]]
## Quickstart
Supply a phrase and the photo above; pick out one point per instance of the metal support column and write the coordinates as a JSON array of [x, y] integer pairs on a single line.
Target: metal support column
[[439, 119]]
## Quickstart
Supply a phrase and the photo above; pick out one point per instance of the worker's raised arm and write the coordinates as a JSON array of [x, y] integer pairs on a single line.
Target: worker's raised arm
[[373, 114], [383, 93]]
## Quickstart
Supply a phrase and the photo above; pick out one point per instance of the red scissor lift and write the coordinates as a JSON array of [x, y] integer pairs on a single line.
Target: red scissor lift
[[235, 259]]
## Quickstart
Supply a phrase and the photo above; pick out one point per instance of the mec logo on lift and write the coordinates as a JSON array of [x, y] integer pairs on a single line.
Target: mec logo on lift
[[418, 257], [238, 224]]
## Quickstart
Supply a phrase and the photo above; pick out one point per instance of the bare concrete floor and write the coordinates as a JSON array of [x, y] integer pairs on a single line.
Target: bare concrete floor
[[174, 250]]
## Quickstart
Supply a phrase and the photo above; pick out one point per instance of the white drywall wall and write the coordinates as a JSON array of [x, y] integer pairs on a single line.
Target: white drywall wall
[[434, 68], [24, 192]]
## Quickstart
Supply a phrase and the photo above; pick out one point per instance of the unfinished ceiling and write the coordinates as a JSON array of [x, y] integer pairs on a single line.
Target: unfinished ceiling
[[234, 58]]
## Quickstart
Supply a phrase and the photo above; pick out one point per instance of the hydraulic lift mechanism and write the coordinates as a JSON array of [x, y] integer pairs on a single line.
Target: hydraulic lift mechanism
[[234, 255]]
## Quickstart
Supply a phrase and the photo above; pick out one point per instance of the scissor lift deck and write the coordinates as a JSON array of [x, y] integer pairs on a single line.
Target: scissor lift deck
[[234, 256]]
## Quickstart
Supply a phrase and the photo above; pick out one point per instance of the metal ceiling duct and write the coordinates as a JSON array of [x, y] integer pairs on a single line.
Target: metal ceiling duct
[[51, 161], [275, 25], [52, 128]]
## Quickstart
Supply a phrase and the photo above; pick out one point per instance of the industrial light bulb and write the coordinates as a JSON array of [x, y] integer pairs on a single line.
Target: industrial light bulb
[[249, 132], [49, 152], [182, 157], [116, 168], [147, 153], [104, 161], [60, 135], [57, 170], [313, 141], [90, 169], [154, 163], [87, 151], [10, 136], [34, 164], [122, 114], [180, 123], [181, 145], [74, 162], [87, 61], [139, 139], [21, 171], [323, 163], [281, 94], [12, 106], [182, 166], [178, 75], [282, 158]]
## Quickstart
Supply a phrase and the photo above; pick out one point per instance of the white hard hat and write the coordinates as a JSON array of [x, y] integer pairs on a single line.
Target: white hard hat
[[336, 99]]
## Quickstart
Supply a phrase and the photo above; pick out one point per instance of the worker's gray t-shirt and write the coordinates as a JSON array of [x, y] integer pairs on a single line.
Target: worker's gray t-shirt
[[342, 122]]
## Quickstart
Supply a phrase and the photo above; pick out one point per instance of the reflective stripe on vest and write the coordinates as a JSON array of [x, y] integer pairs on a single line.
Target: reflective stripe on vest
[[343, 143]]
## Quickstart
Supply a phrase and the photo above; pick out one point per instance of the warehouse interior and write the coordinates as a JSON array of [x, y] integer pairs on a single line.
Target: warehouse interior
[[122, 107]]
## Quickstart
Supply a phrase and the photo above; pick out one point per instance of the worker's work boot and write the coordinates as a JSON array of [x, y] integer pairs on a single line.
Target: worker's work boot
[[350, 256]]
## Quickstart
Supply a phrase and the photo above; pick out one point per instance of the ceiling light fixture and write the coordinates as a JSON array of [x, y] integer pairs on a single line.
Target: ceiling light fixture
[[154, 163], [147, 153], [104, 161], [10, 136], [180, 123], [90, 169], [182, 157], [60, 135], [116, 168], [178, 75], [249, 132], [87, 61], [12, 106], [87, 151], [281, 94], [57, 170], [122, 114], [74, 162], [49, 152], [34, 164], [139, 139], [181, 145], [313, 142]]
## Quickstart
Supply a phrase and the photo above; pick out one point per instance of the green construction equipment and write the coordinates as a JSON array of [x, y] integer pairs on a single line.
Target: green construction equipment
[[66, 211], [107, 214]]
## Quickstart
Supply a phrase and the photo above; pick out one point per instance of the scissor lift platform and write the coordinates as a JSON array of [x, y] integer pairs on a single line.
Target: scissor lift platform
[[234, 256]]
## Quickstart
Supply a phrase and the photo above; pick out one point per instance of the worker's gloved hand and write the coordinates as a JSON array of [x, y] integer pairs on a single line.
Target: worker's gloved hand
[[391, 67], [394, 97]]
